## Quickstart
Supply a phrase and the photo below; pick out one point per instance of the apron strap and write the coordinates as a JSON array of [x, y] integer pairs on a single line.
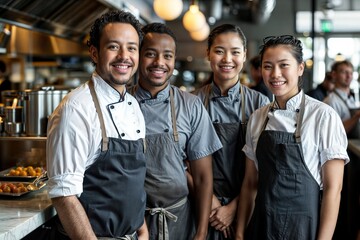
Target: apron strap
[[300, 119], [105, 139], [163, 214], [243, 116], [132, 236], [173, 115]]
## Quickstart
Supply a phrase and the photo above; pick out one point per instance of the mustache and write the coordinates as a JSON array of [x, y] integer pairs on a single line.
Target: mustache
[[122, 62]]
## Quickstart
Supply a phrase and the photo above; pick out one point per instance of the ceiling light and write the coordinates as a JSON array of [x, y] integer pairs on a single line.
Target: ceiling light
[[202, 34], [193, 19], [168, 9]]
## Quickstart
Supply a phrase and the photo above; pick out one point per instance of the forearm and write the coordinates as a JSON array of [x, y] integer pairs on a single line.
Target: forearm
[[332, 176], [244, 211], [329, 214], [203, 189], [143, 233], [73, 218], [247, 197]]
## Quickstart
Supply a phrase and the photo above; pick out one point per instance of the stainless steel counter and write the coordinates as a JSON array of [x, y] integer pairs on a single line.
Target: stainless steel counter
[[19, 216]]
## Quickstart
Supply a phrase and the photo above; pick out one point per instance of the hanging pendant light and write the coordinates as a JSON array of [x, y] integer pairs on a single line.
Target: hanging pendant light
[[202, 34], [168, 9], [194, 19]]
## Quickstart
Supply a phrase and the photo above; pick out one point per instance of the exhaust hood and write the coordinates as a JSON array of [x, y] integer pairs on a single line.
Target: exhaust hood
[[70, 19]]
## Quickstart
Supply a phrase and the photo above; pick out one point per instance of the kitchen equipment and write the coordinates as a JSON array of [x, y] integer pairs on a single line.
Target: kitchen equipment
[[13, 128], [14, 114], [39, 104]]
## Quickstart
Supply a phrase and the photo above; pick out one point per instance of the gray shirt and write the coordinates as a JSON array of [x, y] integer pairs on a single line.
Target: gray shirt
[[227, 109], [197, 136]]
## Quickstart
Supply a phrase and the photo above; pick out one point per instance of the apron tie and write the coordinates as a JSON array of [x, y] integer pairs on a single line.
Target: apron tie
[[163, 214], [126, 237]]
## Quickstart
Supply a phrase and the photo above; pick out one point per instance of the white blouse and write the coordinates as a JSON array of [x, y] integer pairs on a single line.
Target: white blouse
[[323, 135]]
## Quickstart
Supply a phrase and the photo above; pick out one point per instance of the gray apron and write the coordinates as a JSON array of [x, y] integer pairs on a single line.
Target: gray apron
[[287, 204], [166, 186], [114, 196], [229, 161]]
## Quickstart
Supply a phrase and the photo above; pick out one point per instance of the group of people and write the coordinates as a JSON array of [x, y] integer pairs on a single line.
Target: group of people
[[153, 162]]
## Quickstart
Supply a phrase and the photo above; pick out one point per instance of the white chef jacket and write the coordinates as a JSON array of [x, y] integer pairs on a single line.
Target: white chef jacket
[[323, 136], [74, 133]]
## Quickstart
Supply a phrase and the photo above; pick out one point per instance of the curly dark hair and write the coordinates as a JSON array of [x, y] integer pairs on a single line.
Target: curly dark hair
[[161, 28], [117, 16]]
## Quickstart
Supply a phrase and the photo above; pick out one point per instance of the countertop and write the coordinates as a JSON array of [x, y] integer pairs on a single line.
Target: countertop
[[21, 215]]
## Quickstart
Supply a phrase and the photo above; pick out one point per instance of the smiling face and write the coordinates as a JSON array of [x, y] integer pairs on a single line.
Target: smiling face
[[117, 58], [157, 61], [227, 56], [281, 72]]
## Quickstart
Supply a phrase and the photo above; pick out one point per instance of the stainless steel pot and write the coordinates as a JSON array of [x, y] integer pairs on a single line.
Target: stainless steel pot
[[39, 105]]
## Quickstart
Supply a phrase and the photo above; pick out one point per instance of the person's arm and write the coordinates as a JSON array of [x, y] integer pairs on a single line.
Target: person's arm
[[350, 123], [332, 176], [143, 232], [201, 170], [73, 218], [247, 198]]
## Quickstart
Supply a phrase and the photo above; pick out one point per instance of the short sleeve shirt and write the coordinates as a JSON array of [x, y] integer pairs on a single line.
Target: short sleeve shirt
[[323, 135], [197, 136]]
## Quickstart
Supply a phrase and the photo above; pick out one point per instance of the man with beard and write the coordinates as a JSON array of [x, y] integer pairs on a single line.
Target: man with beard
[[342, 99], [178, 128], [95, 155]]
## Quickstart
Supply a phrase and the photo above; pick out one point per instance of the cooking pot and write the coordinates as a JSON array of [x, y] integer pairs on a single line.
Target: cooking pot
[[39, 105]]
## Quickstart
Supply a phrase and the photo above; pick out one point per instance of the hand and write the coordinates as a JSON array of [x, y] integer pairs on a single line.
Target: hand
[[222, 217], [214, 204], [229, 232]]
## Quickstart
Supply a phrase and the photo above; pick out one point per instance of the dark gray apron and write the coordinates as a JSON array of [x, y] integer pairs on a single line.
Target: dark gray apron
[[287, 204], [114, 197], [229, 161], [166, 186]]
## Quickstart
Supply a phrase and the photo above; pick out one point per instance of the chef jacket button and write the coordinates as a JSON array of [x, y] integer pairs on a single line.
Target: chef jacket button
[[138, 131], [216, 120], [142, 101], [237, 100], [166, 101], [129, 103], [112, 107], [166, 130], [295, 125], [297, 110], [123, 134]]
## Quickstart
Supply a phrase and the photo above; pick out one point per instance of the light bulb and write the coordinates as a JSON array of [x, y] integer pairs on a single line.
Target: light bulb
[[193, 19], [202, 34], [168, 9]]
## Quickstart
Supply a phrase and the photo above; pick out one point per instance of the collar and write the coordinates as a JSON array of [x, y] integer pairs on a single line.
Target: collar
[[233, 91], [293, 104], [104, 90], [343, 94], [145, 95]]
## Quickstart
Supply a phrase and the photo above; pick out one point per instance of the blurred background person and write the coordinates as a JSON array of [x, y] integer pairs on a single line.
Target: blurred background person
[[324, 88], [255, 74], [342, 99]]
